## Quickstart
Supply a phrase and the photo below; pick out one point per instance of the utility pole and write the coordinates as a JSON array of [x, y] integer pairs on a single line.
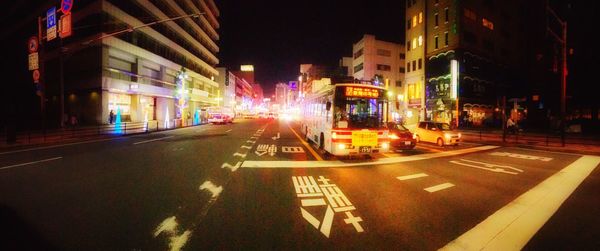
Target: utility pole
[[564, 71]]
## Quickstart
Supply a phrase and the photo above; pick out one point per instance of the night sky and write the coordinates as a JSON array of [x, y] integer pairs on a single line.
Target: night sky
[[277, 36]]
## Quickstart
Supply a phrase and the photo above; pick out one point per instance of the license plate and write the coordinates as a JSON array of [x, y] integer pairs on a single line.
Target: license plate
[[364, 149], [407, 143]]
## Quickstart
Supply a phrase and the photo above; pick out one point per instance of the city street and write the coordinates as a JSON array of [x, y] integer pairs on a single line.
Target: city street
[[256, 184]]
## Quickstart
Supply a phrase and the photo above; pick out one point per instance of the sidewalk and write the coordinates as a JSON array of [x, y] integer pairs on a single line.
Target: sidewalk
[[84, 133], [578, 144]]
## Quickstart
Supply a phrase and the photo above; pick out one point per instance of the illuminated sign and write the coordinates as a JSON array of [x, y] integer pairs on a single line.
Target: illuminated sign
[[51, 24], [247, 67], [453, 79], [362, 92], [66, 6], [65, 26]]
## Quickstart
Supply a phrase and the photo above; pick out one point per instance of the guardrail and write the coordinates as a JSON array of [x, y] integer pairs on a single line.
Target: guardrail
[[547, 138], [86, 132]]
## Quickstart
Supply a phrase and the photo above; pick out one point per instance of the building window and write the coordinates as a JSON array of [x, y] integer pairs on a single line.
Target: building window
[[358, 53], [446, 38], [383, 67], [436, 42], [385, 53], [437, 17], [408, 4], [398, 83], [414, 65], [358, 68], [414, 91], [420, 40], [469, 37], [420, 17], [402, 56], [487, 23], [414, 21], [447, 15], [414, 43], [420, 63], [470, 14], [408, 67], [408, 24], [402, 70], [408, 45]]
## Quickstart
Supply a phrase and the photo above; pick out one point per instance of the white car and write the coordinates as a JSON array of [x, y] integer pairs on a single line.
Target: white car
[[438, 133]]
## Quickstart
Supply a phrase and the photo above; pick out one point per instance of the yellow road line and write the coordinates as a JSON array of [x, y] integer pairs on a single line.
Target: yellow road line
[[306, 145]]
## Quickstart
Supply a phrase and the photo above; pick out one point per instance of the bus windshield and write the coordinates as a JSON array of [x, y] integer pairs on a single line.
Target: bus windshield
[[364, 108]]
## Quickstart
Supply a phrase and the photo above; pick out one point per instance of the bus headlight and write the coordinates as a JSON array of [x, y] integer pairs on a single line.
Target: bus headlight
[[385, 145], [334, 135], [341, 146]]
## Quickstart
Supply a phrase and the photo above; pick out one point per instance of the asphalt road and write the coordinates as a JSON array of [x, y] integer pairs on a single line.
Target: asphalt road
[[255, 184]]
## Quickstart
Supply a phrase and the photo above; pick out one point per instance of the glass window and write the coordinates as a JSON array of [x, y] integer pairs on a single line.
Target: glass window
[[436, 19], [408, 67], [420, 17], [420, 40], [446, 38], [414, 21], [420, 63], [414, 65], [436, 41], [447, 15], [414, 43]]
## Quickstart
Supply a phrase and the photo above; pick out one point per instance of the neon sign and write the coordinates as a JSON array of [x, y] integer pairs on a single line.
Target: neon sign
[[362, 92]]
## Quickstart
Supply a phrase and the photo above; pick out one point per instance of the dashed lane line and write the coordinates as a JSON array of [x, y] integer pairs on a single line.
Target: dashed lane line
[[439, 187], [30, 163], [511, 227], [412, 176], [152, 140]]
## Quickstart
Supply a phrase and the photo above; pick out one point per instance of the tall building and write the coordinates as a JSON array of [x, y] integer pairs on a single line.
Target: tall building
[[382, 62], [226, 94], [281, 95], [460, 58], [346, 66], [164, 71]]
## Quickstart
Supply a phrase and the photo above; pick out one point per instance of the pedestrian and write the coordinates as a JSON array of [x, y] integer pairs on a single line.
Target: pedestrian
[[511, 126], [111, 117]]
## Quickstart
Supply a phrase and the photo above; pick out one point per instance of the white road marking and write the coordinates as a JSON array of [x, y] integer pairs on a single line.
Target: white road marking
[[240, 155], [232, 168], [247, 147], [439, 187], [413, 176], [511, 227], [382, 161], [487, 166], [30, 163], [292, 149], [253, 137], [229, 130], [170, 227], [212, 188], [251, 141], [56, 146], [276, 137], [520, 156], [311, 219], [152, 140]]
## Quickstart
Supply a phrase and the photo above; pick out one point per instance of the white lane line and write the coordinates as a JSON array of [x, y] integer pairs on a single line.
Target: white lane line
[[229, 130], [511, 227], [412, 176], [382, 161], [439, 187], [152, 140], [240, 155], [232, 168], [211, 188], [56, 146], [247, 147], [169, 225], [30, 163]]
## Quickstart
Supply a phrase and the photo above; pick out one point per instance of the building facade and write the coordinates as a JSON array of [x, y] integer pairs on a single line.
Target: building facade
[[383, 62], [460, 56], [163, 72]]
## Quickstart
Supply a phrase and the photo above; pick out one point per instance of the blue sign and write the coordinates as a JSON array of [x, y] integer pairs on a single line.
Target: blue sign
[[66, 6], [51, 18]]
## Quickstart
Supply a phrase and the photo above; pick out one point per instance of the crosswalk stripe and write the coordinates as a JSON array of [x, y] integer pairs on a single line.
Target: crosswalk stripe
[[439, 187], [412, 176]]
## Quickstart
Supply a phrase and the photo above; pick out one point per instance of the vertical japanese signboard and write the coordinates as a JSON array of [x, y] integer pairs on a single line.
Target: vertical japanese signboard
[[51, 24]]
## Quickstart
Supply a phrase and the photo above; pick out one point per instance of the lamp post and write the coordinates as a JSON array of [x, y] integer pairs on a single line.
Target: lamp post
[[562, 40]]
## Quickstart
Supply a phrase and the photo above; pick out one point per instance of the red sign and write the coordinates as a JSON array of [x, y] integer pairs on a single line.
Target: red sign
[[66, 6], [65, 26], [36, 76], [32, 44], [362, 92]]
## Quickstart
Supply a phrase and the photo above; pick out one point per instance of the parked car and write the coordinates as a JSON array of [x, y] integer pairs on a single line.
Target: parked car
[[272, 115], [400, 137], [220, 118], [438, 133]]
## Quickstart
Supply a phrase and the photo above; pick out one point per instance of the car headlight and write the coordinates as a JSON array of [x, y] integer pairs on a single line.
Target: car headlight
[[385, 145], [414, 136], [459, 135], [394, 136], [447, 136]]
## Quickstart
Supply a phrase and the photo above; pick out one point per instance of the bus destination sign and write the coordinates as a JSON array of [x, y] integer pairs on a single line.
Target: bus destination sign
[[362, 92]]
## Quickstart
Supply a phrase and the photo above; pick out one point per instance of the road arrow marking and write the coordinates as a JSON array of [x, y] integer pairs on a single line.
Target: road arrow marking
[[487, 166], [232, 168], [251, 141], [212, 188], [260, 153]]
